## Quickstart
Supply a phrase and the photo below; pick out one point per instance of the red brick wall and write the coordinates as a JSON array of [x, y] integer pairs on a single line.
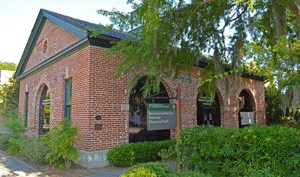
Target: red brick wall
[[95, 91], [53, 77], [108, 94], [106, 97], [57, 39]]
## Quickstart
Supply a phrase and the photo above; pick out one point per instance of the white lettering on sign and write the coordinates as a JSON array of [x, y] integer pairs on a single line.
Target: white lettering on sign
[[161, 113], [161, 116]]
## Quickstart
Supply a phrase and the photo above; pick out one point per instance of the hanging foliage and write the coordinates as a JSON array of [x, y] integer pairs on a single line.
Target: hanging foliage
[[168, 37]]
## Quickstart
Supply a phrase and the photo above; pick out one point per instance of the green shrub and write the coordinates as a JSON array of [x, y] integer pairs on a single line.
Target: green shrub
[[15, 144], [60, 141], [240, 152], [191, 174], [152, 169], [138, 172], [159, 169], [15, 124], [33, 150], [168, 153], [132, 153], [4, 140]]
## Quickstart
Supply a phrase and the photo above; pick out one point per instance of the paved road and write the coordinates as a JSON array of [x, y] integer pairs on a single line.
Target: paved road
[[12, 167]]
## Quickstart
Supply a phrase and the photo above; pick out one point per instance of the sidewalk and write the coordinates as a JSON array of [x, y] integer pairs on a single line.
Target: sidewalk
[[13, 167]]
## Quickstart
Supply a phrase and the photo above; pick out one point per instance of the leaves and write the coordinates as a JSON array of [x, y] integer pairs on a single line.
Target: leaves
[[8, 66], [60, 141], [240, 152], [168, 38], [9, 94]]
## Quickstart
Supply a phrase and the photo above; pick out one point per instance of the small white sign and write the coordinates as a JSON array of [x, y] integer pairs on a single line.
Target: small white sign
[[125, 107], [247, 118]]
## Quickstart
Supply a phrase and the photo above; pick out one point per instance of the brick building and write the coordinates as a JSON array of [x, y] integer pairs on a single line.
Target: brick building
[[64, 72]]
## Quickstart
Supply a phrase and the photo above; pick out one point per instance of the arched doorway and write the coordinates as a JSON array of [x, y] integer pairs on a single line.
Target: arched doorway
[[246, 108], [44, 112], [138, 114], [208, 112]]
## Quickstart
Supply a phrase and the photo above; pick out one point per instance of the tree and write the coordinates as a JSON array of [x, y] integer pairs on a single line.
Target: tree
[[9, 96], [8, 66], [170, 36], [9, 92]]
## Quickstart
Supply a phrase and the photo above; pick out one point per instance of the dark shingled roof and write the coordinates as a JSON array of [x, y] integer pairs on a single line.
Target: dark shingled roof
[[84, 25]]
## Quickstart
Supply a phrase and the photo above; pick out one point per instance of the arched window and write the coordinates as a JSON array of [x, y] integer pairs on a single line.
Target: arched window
[[138, 115], [44, 112], [246, 108], [208, 112]]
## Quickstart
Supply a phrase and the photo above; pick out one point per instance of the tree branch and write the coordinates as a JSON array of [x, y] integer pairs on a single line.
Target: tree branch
[[232, 19], [198, 4]]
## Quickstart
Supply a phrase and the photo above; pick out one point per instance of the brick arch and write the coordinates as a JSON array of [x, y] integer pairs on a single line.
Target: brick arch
[[166, 83], [44, 87], [252, 100], [136, 129], [220, 106]]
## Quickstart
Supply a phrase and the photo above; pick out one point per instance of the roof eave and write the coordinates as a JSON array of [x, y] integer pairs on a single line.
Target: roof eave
[[30, 43], [42, 17], [55, 58], [71, 28]]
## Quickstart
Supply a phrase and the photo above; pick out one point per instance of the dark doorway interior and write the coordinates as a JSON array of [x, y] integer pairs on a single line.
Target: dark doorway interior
[[246, 104], [138, 115], [208, 113], [44, 115]]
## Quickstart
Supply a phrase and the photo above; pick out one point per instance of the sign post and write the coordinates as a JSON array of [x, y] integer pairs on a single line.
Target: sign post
[[161, 116]]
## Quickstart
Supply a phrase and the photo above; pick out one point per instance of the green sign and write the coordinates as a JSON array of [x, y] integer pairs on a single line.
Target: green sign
[[161, 116]]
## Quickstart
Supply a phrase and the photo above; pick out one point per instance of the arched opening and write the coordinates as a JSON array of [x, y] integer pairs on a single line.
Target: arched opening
[[44, 112], [138, 114], [208, 112], [246, 108]]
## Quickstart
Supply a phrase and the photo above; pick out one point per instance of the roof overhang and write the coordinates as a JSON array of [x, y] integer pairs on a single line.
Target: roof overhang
[[37, 28]]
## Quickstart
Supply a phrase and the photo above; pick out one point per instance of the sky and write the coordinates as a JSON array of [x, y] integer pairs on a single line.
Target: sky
[[17, 18]]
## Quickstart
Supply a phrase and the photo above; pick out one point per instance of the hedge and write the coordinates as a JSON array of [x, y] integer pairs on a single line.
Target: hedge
[[150, 169], [129, 154], [249, 151], [4, 140], [158, 169]]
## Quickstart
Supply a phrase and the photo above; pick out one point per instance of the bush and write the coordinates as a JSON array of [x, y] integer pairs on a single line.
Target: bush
[[168, 153], [33, 150], [132, 153], [60, 141], [192, 174], [152, 169], [15, 124], [56, 147], [4, 141], [15, 145], [240, 152], [138, 172], [158, 169]]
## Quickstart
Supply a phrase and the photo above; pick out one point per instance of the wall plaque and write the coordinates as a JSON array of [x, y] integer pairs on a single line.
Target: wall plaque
[[98, 126], [125, 107]]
